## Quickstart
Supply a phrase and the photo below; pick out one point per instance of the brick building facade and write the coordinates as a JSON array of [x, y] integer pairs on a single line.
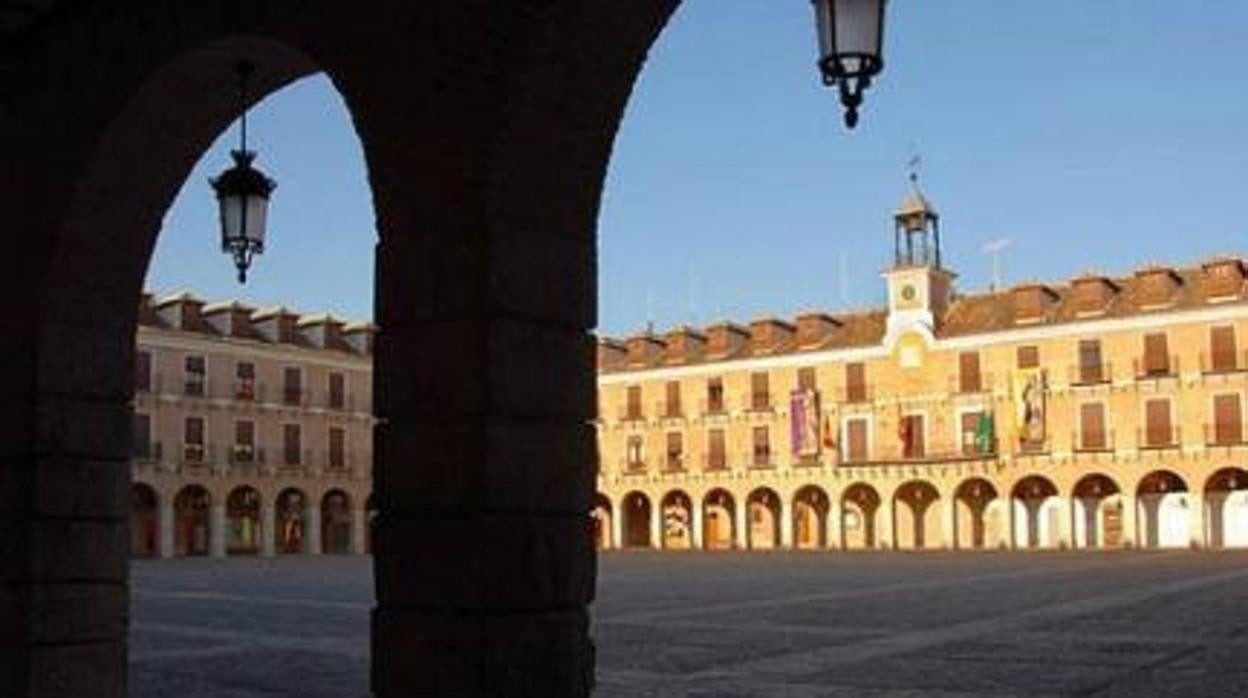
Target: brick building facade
[[1100, 412], [252, 431]]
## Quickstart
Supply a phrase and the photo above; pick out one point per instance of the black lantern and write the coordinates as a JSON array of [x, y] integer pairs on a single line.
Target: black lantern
[[243, 193], [851, 48]]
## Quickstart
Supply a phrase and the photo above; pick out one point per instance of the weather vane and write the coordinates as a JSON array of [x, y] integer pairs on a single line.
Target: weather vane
[[913, 164]]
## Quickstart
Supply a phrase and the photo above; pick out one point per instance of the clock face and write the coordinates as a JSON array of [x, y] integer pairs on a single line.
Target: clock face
[[908, 292]]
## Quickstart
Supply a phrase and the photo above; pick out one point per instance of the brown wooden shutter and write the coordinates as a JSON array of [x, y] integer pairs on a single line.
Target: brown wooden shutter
[[1227, 420], [1090, 369], [806, 378], [337, 447], [673, 398], [1028, 356], [855, 382], [1156, 354], [970, 426], [1092, 426], [968, 372], [337, 390], [715, 449], [760, 397], [633, 408], [292, 383], [1222, 349], [194, 430], [714, 395], [244, 433], [1157, 418], [290, 444], [856, 434], [762, 445]]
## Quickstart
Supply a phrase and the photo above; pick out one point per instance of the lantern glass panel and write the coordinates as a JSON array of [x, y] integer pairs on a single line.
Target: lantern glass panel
[[231, 218], [823, 26], [257, 218], [857, 32]]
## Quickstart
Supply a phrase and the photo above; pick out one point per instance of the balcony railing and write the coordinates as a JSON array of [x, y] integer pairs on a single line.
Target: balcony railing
[[714, 462], [296, 397], [245, 454], [632, 466], [1159, 438], [1093, 442], [970, 384], [759, 459], [1145, 370], [858, 394], [758, 402], [668, 410], [1092, 374], [1223, 362], [1225, 434], [631, 413], [925, 458], [674, 463], [195, 387]]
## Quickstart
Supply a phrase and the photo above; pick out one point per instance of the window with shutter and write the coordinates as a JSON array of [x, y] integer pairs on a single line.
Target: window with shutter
[[856, 440], [1227, 421], [855, 382], [912, 437], [1222, 351], [968, 372], [633, 406], [715, 395], [337, 391], [1092, 427], [1090, 368], [245, 381], [292, 386], [337, 447], [196, 375], [1156, 355], [760, 395], [806, 378], [716, 458], [292, 440], [1157, 423], [970, 432], [675, 451], [762, 446], [672, 408]]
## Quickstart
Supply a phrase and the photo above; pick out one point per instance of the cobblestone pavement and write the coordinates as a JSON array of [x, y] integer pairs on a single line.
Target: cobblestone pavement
[[800, 625]]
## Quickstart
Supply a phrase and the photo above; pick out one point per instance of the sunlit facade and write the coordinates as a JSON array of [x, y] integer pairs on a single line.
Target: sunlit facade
[[1101, 412], [252, 431]]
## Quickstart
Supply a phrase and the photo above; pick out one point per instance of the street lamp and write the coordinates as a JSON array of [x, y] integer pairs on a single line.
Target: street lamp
[[851, 43], [243, 192]]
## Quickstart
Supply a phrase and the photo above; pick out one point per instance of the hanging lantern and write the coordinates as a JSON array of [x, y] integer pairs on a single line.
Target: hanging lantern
[[851, 48], [243, 193]]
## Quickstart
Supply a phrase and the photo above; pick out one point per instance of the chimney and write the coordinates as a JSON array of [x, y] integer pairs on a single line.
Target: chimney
[[1223, 278], [769, 334], [359, 336], [684, 345], [1093, 293], [1032, 302], [725, 339], [181, 311], [813, 329], [1156, 285], [275, 325], [612, 354]]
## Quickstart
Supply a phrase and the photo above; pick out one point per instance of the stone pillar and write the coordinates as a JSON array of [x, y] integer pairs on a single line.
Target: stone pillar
[[949, 522], [786, 523], [617, 530], [832, 532], [1130, 521], [1196, 520], [695, 526], [884, 525], [656, 527], [165, 528], [216, 530], [312, 530], [268, 528], [1065, 523], [741, 527], [359, 526]]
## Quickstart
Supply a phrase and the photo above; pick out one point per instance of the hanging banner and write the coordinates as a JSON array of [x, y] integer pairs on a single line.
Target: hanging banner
[[1029, 390], [804, 421]]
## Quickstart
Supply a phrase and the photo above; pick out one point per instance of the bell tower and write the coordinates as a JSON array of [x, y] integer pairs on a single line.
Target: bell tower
[[919, 287]]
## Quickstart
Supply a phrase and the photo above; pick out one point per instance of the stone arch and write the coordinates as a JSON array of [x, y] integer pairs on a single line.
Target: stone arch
[[192, 509], [979, 519], [1097, 504], [677, 523], [244, 525], [636, 516], [1035, 516], [466, 231], [860, 505], [916, 516], [1165, 508], [763, 507], [144, 520], [603, 519], [291, 529], [810, 516], [1226, 497], [336, 522], [719, 520]]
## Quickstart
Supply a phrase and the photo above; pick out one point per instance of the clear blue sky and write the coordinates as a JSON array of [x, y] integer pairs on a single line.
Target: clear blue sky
[[1091, 134]]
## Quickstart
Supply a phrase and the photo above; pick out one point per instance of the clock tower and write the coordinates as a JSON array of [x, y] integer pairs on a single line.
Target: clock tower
[[919, 287]]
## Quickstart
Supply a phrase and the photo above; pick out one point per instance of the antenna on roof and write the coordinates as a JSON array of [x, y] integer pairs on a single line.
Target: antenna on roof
[[995, 248]]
